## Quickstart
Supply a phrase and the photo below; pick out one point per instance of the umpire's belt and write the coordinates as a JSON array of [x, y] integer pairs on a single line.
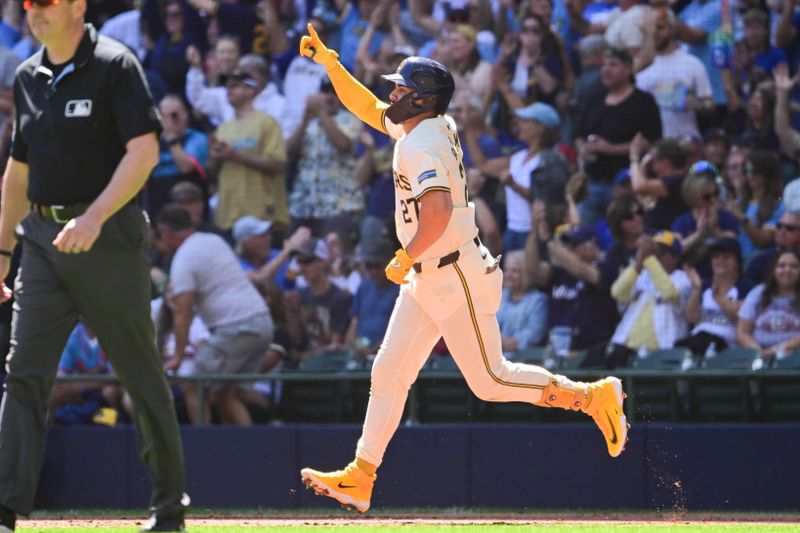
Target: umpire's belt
[[447, 259], [60, 213]]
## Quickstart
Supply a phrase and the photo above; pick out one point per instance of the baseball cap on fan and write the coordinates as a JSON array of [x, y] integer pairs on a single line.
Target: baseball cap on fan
[[670, 240], [726, 244], [541, 113], [186, 192], [716, 134], [578, 235], [623, 177], [312, 249], [249, 226]]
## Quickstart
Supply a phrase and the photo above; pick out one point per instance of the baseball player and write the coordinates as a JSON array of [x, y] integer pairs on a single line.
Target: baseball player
[[450, 284]]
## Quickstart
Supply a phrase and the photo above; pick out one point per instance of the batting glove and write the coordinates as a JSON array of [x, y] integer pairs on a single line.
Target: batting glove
[[312, 46], [398, 267]]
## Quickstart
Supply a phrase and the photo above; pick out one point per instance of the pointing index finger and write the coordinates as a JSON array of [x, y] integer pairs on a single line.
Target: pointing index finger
[[313, 34]]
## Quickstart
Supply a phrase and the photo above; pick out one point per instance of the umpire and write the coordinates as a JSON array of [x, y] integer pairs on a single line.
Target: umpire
[[85, 140]]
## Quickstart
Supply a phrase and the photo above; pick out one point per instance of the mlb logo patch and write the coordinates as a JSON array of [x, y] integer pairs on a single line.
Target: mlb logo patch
[[78, 108]]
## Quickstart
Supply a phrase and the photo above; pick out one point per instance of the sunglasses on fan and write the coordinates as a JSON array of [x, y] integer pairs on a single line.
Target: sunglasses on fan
[[704, 166], [27, 4], [633, 214]]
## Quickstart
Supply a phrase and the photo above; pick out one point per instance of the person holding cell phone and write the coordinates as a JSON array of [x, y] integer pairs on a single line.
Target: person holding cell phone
[[183, 156]]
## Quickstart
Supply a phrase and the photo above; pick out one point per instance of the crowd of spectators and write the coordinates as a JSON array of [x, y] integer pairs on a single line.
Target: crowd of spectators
[[633, 160]]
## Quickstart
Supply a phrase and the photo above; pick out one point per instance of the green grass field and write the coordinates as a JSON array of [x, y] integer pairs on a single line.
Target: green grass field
[[478, 528]]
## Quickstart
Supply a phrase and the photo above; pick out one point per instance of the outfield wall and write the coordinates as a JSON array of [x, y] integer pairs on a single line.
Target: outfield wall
[[734, 467]]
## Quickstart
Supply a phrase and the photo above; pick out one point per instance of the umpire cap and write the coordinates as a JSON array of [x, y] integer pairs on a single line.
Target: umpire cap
[[430, 80]]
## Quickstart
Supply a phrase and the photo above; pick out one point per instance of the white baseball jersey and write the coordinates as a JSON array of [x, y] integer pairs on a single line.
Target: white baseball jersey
[[456, 301], [429, 159]]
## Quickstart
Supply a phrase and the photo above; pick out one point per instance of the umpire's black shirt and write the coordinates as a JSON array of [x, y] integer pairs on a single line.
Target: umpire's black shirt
[[73, 120]]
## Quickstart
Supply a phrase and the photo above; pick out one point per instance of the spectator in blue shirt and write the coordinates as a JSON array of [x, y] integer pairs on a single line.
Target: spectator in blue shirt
[[355, 19], [183, 155], [255, 24], [77, 402], [167, 60], [374, 301], [523, 311], [760, 207], [262, 262], [787, 37], [478, 142], [11, 24], [698, 20], [757, 37], [706, 219], [83, 354], [374, 170]]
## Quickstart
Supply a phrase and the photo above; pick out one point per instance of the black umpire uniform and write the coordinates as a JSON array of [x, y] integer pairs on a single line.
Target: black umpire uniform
[[71, 127]]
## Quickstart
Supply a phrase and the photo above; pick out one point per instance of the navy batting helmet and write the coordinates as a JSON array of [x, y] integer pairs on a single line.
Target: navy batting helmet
[[430, 80]]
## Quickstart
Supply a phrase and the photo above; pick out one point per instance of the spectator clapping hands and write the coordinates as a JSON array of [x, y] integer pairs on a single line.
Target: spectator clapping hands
[[694, 277], [639, 146], [645, 248], [708, 220], [314, 105], [300, 236], [783, 82], [220, 149], [539, 215], [194, 57]]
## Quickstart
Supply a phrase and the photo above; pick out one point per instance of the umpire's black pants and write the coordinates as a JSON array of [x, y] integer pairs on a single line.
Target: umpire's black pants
[[110, 287]]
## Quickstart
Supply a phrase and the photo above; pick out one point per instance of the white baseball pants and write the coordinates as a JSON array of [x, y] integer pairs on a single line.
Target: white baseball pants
[[458, 302]]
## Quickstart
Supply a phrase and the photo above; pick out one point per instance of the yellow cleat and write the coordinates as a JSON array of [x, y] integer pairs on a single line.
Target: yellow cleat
[[605, 408], [351, 487]]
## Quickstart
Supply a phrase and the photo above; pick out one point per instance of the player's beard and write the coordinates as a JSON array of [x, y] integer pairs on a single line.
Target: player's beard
[[403, 109]]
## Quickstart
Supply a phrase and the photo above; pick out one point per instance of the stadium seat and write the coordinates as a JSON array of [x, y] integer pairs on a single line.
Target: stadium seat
[[779, 398], [446, 399], [317, 401], [779, 395], [441, 363], [666, 359], [731, 359], [725, 398], [533, 355], [573, 361], [792, 361], [312, 401], [657, 398], [328, 361]]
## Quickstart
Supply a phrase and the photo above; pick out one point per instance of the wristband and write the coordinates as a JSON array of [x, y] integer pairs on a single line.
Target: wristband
[[6, 253]]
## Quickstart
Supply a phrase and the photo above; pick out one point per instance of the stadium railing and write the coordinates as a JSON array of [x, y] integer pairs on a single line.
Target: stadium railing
[[768, 395]]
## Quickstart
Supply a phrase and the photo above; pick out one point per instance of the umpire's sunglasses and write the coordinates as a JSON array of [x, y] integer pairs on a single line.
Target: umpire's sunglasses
[[27, 4]]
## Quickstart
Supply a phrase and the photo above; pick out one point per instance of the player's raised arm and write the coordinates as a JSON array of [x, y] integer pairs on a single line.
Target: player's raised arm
[[355, 97]]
